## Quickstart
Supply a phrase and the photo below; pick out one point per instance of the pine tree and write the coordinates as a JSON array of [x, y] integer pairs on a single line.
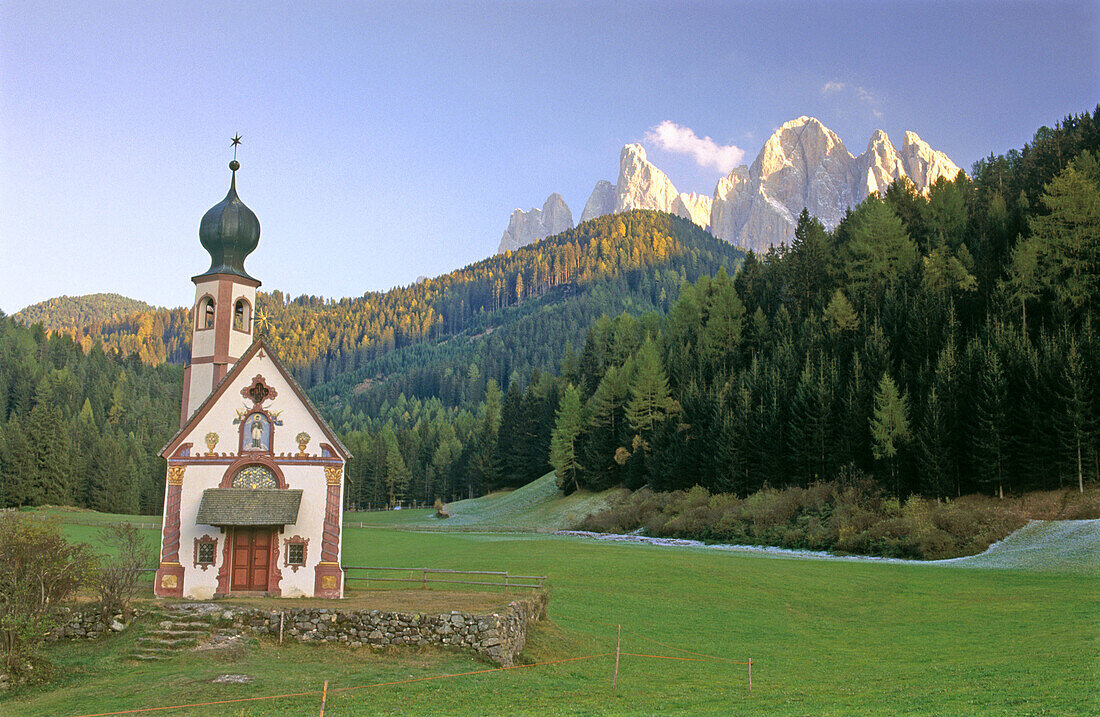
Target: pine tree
[[563, 442], [889, 426], [650, 401], [933, 447], [990, 439], [1078, 424], [396, 472]]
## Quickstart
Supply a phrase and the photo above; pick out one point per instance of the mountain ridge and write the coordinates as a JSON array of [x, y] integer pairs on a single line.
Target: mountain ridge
[[802, 164]]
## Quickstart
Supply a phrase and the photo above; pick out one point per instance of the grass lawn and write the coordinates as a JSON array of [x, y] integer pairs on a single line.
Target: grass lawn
[[825, 638]]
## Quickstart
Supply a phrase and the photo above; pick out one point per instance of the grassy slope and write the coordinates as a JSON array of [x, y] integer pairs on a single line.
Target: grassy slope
[[825, 637], [537, 506], [1069, 546]]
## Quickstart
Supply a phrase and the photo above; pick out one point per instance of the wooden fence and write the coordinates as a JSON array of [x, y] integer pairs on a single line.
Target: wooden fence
[[439, 576]]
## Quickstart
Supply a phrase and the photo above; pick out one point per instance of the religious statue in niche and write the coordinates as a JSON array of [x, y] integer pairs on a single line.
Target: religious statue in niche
[[257, 433]]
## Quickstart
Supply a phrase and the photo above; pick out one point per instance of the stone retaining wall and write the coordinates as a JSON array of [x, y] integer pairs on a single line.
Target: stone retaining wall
[[499, 636], [88, 623]]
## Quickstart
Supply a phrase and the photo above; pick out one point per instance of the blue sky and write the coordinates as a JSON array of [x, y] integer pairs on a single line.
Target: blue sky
[[382, 142]]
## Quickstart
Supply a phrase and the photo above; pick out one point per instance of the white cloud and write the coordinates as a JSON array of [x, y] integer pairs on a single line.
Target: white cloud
[[671, 137], [836, 87]]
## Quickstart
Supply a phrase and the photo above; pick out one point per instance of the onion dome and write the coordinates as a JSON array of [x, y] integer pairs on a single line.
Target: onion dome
[[229, 231]]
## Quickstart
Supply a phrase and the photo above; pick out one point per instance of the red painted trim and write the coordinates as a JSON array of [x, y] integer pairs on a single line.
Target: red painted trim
[[225, 459], [170, 542], [168, 571], [330, 539], [296, 540], [186, 395], [274, 575], [204, 278], [195, 312], [210, 359], [227, 561], [233, 324], [225, 302], [206, 538], [261, 459], [328, 573], [238, 368]]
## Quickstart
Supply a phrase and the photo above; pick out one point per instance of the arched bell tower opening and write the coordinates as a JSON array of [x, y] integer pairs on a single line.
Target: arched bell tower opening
[[225, 295]]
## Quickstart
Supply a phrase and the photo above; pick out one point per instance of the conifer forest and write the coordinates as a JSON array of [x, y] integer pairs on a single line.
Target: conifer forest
[[940, 345]]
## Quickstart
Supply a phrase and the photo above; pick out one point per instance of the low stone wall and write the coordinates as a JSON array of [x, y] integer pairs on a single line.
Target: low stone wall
[[88, 623], [498, 636]]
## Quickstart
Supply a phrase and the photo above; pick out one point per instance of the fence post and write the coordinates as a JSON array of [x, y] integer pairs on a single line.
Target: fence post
[[750, 675], [615, 677], [324, 696], [282, 617], [424, 580]]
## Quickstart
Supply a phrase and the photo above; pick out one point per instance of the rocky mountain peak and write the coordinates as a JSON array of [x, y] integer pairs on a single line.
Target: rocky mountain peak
[[923, 164], [600, 202], [877, 167], [802, 164], [535, 224]]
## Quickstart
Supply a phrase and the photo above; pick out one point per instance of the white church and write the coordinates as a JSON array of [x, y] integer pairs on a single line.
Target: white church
[[254, 496]]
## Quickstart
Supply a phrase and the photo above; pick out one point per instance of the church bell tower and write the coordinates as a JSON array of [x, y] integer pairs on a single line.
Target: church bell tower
[[225, 296]]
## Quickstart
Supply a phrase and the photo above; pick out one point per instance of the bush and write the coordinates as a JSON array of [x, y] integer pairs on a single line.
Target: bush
[[848, 515], [39, 569], [116, 576]]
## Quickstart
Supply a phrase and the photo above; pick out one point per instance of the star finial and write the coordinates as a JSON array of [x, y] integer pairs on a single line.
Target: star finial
[[262, 321], [236, 141]]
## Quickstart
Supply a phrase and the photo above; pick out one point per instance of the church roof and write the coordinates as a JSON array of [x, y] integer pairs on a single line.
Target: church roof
[[225, 383], [249, 506], [229, 231]]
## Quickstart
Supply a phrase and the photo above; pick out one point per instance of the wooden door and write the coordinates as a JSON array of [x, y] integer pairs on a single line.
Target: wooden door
[[251, 558]]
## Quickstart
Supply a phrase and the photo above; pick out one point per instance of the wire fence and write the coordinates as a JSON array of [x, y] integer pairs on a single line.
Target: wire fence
[[326, 690], [439, 576]]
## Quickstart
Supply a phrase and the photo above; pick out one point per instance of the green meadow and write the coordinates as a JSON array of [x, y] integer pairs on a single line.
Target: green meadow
[[825, 637]]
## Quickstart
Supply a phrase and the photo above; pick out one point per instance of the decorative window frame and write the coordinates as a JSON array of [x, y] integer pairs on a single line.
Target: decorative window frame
[[206, 540], [247, 323], [243, 434], [268, 393], [295, 540], [200, 312], [262, 459]]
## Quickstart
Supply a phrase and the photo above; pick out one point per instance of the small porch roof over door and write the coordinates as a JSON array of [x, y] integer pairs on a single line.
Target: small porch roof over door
[[249, 506]]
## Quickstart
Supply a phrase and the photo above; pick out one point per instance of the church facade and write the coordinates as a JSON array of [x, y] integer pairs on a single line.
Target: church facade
[[254, 488]]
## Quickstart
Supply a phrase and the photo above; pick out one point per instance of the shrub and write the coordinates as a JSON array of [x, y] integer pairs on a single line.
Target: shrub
[[849, 515], [39, 569], [116, 576]]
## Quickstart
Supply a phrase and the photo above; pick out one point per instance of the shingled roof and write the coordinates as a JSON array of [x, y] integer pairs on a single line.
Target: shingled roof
[[249, 506]]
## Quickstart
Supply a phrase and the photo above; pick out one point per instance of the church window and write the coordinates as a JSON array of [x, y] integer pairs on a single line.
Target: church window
[[294, 555], [255, 476], [206, 313], [205, 550], [241, 317]]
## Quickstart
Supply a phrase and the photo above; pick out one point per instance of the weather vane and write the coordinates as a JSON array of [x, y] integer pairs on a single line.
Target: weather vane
[[236, 141]]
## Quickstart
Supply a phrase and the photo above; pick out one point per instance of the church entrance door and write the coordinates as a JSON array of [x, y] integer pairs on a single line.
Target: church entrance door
[[251, 558]]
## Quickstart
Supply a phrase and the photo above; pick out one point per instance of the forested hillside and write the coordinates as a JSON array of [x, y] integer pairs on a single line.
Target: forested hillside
[[421, 362], [944, 345], [81, 428], [938, 344]]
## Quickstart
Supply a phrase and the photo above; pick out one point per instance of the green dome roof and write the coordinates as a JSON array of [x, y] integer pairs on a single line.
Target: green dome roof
[[229, 231]]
